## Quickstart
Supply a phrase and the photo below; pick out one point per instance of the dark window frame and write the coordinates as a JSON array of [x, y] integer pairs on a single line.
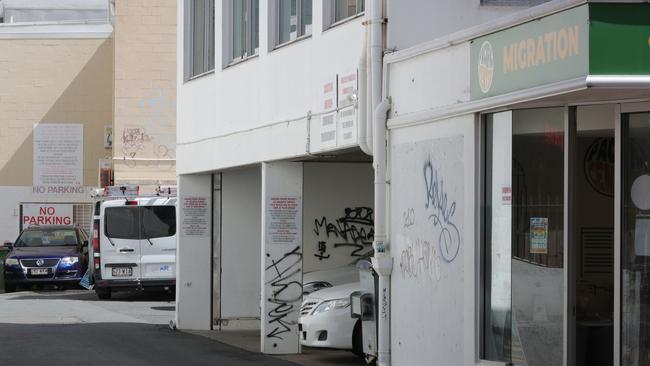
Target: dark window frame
[[199, 62]]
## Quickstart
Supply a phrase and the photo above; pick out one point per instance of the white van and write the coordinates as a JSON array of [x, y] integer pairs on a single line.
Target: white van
[[134, 244]]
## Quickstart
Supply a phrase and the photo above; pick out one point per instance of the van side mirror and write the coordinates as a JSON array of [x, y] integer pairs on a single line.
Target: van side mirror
[[8, 245]]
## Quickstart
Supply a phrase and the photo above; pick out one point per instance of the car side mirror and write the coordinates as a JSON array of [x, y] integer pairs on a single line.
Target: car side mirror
[[8, 245]]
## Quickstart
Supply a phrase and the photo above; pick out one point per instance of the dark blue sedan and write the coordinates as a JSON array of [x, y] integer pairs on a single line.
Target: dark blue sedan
[[47, 255]]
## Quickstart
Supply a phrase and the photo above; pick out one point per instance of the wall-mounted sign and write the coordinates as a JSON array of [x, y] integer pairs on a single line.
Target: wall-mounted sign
[[590, 39], [58, 157], [283, 220], [108, 137], [196, 217], [46, 214], [553, 48], [336, 127]]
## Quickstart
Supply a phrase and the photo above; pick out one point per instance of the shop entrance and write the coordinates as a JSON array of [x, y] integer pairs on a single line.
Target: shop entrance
[[635, 237], [591, 240]]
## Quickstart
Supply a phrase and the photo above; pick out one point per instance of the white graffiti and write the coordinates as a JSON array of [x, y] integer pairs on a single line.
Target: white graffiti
[[420, 259]]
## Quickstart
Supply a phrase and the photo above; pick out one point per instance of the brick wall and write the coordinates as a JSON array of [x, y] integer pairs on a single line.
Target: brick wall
[[145, 91], [53, 81]]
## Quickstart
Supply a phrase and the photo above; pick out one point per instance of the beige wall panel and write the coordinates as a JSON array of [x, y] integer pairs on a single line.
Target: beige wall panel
[[145, 91], [53, 81]]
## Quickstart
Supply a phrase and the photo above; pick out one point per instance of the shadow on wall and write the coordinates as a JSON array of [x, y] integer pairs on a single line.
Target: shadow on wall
[[87, 100]]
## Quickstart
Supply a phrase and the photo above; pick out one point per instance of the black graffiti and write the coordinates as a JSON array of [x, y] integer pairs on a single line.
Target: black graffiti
[[286, 290], [322, 248], [355, 229], [443, 213]]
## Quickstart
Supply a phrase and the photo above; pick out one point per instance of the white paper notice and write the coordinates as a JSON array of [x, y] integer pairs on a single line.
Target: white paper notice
[[58, 155], [196, 217], [283, 220]]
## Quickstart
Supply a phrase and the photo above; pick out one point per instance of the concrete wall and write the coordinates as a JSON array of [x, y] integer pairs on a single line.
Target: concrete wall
[[338, 213], [282, 207], [145, 91], [432, 243], [193, 252], [253, 97], [241, 248], [54, 80]]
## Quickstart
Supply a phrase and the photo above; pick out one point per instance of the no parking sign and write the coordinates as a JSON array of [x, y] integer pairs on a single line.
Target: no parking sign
[[46, 214]]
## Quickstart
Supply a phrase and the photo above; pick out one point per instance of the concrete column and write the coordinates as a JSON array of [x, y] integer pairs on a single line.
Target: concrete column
[[281, 256], [193, 252]]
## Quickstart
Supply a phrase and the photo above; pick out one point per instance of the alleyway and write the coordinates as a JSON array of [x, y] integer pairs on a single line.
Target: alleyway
[[64, 328]]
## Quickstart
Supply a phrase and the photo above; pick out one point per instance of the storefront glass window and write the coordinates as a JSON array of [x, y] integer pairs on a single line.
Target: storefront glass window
[[524, 237], [635, 250]]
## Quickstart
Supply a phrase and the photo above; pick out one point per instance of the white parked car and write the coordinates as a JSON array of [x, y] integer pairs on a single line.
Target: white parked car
[[318, 280], [134, 244], [325, 319]]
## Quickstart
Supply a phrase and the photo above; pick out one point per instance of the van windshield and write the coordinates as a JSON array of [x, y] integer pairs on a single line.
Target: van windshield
[[140, 222], [41, 238]]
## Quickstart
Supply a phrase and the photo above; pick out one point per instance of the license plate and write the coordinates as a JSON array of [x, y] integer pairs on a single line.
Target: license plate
[[122, 272], [39, 271]]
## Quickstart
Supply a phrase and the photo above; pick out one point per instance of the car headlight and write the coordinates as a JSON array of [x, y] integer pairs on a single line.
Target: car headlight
[[332, 304], [69, 260], [11, 262]]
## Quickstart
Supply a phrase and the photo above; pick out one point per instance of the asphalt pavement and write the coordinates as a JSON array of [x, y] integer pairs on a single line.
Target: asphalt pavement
[[125, 344], [75, 328]]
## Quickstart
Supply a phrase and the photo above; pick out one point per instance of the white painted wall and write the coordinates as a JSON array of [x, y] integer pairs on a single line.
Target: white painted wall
[[432, 237], [433, 80], [241, 248], [193, 259], [12, 196], [278, 85], [330, 189], [281, 258], [416, 21]]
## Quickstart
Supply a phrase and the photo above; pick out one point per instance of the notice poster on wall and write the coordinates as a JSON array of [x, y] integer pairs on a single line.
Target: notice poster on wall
[[283, 220], [58, 156], [46, 214], [196, 217], [539, 235]]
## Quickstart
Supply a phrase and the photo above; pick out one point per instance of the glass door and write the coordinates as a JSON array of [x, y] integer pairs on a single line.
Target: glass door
[[635, 239]]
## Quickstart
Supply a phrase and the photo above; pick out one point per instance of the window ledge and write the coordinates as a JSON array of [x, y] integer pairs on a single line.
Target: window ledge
[[293, 41], [490, 363], [241, 60], [343, 21], [195, 77]]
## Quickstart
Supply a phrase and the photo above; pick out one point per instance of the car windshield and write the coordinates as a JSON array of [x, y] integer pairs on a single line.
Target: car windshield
[[46, 237]]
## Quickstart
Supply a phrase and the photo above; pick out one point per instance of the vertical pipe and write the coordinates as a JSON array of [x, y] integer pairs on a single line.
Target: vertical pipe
[[382, 260]]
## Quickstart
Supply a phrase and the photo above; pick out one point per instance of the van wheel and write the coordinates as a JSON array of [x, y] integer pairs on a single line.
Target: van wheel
[[103, 293], [357, 340], [10, 288]]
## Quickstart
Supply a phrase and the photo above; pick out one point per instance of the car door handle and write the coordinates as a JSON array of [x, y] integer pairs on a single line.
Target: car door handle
[[126, 250]]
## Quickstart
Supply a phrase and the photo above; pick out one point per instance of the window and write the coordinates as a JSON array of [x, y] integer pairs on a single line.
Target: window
[[199, 37], [122, 222], [523, 288], [294, 19], [142, 222], [344, 9], [245, 28], [635, 241], [158, 221], [48, 237]]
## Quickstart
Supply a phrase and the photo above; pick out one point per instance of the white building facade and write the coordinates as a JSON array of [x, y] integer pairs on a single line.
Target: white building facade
[[516, 170]]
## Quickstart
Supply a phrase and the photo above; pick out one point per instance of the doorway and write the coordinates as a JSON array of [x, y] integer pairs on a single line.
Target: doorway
[[591, 250]]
